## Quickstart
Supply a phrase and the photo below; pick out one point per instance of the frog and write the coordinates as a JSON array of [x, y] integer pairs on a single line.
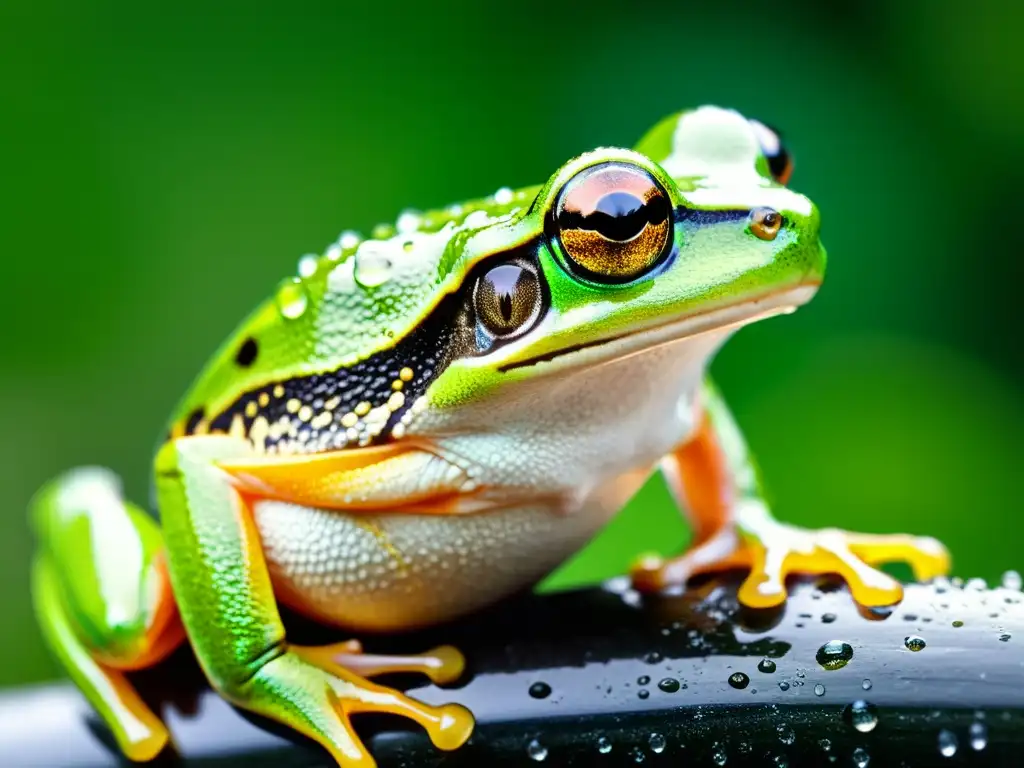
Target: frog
[[427, 420]]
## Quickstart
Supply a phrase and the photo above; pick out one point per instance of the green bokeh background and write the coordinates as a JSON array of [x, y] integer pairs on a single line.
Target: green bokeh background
[[163, 164]]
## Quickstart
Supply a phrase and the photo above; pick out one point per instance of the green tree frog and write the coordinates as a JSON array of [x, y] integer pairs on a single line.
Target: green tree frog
[[427, 420]]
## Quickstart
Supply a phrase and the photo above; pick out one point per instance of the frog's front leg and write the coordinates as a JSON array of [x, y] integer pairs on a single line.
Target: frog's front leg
[[714, 477], [223, 587]]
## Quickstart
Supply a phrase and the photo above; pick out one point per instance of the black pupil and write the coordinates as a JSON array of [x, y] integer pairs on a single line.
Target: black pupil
[[778, 162], [618, 216]]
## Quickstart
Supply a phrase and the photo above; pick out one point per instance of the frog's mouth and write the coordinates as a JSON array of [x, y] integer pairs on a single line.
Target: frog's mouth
[[719, 321]]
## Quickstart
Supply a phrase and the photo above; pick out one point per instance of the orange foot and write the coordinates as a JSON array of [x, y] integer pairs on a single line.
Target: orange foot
[[772, 551]]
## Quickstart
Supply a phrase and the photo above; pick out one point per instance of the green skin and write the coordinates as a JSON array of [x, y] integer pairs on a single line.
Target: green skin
[[98, 568]]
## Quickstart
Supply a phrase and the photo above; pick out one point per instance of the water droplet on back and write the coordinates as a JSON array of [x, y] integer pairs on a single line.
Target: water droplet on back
[[536, 751], [372, 266], [408, 221], [835, 654], [862, 715], [292, 300], [947, 743], [914, 642], [307, 265]]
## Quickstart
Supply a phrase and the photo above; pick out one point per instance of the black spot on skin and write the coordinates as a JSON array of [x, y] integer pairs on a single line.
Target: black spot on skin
[[193, 420], [246, 354]]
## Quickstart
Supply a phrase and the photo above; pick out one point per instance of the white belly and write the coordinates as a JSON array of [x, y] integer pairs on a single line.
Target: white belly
[[573, 449]]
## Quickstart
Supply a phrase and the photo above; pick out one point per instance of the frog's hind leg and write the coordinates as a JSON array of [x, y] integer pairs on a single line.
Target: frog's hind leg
[[103, 599]]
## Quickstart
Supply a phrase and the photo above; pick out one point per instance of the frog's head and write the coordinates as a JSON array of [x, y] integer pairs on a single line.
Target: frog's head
[[692, 232], [622, 252]]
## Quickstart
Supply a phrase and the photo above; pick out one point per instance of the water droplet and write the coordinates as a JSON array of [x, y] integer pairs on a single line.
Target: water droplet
[[976, 585], [801, 673], [1012, 580], [825, 744], [783, 685], [1005, 637], [861, 758], [604, 746], [503, 196], [819, 690], [828, 618], [914, 642], [718, 754], [372, 266], [657, 743], [540, 690], [979, 736], [957, 623], [637, 754], [536, 751], [781, 761], [408, 221], [861, 715], [669, 685], [307, 265], [292, 300], [643, 680], [653, 657], [835, 654], [866, 684], [766, 665], [643, 693], [349, 239], [738, 680], [947, 743], [786, 734]]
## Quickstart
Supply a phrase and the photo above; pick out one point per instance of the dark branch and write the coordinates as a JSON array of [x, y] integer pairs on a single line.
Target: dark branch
[[605, 654]]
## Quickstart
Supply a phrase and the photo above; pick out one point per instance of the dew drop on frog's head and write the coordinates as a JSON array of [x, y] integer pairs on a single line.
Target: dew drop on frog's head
[[914, 643], [1012, 580], [292, 300], [835, 654], [536, 751], [947, 743], [738, 680], [862, 715]]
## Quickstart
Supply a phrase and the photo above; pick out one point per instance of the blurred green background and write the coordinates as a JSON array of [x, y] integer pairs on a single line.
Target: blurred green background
[[164, 164]]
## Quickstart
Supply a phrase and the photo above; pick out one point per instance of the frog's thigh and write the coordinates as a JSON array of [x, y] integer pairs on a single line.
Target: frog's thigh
[[103, 598], [228, 606]]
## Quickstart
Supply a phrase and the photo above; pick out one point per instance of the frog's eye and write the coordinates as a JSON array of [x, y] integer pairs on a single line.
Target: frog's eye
[[779, 161], [507, 299], [613, 222]]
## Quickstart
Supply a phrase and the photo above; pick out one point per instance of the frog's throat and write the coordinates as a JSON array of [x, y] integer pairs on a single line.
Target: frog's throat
[[722, 321]]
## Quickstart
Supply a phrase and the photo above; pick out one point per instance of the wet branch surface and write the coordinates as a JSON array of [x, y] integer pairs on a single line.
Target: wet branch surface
[[604, 677]]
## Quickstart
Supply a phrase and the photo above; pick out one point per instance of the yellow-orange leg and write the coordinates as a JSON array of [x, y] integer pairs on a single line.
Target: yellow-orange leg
[[714, 479]]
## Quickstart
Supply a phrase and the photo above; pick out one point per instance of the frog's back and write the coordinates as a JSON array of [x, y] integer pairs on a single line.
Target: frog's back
[[341, 352]]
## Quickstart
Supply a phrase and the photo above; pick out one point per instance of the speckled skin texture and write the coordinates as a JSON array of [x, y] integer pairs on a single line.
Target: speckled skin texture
[[560, 474]]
